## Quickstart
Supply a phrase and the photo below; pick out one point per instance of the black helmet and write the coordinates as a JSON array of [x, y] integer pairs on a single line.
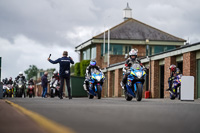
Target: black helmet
[[178, 71]]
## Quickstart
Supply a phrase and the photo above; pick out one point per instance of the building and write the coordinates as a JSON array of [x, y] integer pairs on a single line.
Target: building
[[187, 58], [157, 49], [121, 38]]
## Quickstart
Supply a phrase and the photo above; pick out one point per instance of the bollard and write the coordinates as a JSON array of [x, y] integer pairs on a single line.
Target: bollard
[[1, 90]]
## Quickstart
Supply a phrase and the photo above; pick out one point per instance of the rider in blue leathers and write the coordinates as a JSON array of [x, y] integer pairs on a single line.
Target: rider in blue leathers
[[91, 68]]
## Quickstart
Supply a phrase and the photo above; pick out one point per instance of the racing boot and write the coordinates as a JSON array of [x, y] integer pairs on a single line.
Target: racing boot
[[85, 88]]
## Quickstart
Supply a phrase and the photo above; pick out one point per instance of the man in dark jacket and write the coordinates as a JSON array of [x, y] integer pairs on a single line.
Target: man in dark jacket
[[44, 84], [64, 72]]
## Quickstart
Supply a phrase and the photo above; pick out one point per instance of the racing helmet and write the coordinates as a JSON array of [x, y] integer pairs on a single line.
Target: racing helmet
[[55, 72], [20, 74], [93, 63], [172, 68], [133, 52], [178, 71]]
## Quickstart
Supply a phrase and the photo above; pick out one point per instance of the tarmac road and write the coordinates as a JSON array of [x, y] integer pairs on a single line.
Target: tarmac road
[[116, 115]]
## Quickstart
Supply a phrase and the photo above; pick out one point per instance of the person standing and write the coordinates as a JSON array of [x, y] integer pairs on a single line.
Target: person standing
[[64, 72], [44, 84]]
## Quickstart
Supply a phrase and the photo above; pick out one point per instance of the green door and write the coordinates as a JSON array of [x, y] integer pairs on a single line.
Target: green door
[[198, 78]]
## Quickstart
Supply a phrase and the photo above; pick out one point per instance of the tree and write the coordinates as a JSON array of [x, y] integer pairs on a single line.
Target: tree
[[31, 71]]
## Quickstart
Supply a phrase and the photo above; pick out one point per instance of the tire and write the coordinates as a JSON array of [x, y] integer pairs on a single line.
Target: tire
[[179, 96], [52, 95], [99, 91], [90, 96], [139, 92], [127, 97], [172, 97], [30, 95]]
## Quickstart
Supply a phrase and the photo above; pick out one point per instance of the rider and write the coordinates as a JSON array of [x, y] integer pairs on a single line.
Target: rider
[[131, 60], [6, 81], [23, 79], [30, 82], [55, 76], [91, 68], [21, 76], [10, 81], [174, 72]]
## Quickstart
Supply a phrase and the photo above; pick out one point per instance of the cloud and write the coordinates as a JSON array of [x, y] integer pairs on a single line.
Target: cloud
[[17, 56], [32, 29]]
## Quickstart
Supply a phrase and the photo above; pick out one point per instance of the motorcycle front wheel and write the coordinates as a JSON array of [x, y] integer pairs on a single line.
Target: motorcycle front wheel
[[139, 92], [99, 91]]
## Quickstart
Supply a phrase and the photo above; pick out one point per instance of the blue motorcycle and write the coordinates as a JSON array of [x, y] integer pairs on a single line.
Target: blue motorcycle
[[176, 88], [95, 84], [135, 81]]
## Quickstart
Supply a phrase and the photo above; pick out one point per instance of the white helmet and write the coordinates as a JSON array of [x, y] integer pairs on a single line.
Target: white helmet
[[133, 52], [55, 72], [20, 73]]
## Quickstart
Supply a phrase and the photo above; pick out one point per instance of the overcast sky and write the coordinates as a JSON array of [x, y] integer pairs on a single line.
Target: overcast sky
[[32, 29]]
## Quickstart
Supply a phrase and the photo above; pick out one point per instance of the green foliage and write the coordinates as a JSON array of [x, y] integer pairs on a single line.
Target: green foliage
[[72, 68], [51, 70], [83, 66], [31, 71], [77, 69]]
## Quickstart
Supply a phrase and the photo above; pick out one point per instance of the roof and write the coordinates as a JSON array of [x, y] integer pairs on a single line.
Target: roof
[[133, 29]]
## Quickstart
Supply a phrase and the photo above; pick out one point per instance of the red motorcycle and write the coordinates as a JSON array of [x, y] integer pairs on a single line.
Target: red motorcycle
[[30, 91]]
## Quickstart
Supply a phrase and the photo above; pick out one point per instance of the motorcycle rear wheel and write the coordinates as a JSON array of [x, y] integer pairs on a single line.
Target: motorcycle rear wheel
[[127, 97], [90, 96]]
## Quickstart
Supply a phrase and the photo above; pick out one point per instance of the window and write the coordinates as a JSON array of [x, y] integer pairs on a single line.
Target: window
[[93, 52], [86, 54], [156, 49], [116, 49], [89, 53]]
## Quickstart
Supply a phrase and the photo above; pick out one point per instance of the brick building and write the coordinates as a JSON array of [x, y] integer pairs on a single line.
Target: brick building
[[187, 58], [157, 49], [129, 34]]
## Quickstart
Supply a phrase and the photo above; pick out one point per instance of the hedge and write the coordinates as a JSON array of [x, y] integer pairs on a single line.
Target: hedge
[[83, 66], [80, 68], [77, 69]]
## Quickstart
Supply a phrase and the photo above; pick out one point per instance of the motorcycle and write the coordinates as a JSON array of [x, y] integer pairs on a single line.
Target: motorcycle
[[20, 88], [9, 90], [176, 88], [4, 90], [95, 84], [30, 91], [54, 85], [135, 82]]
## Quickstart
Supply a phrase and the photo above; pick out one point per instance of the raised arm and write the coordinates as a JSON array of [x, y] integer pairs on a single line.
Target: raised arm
[[54, 62]]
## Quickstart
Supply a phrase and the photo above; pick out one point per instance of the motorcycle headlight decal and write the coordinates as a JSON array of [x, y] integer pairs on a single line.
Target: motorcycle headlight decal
[[139, 74], [93, 77]]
